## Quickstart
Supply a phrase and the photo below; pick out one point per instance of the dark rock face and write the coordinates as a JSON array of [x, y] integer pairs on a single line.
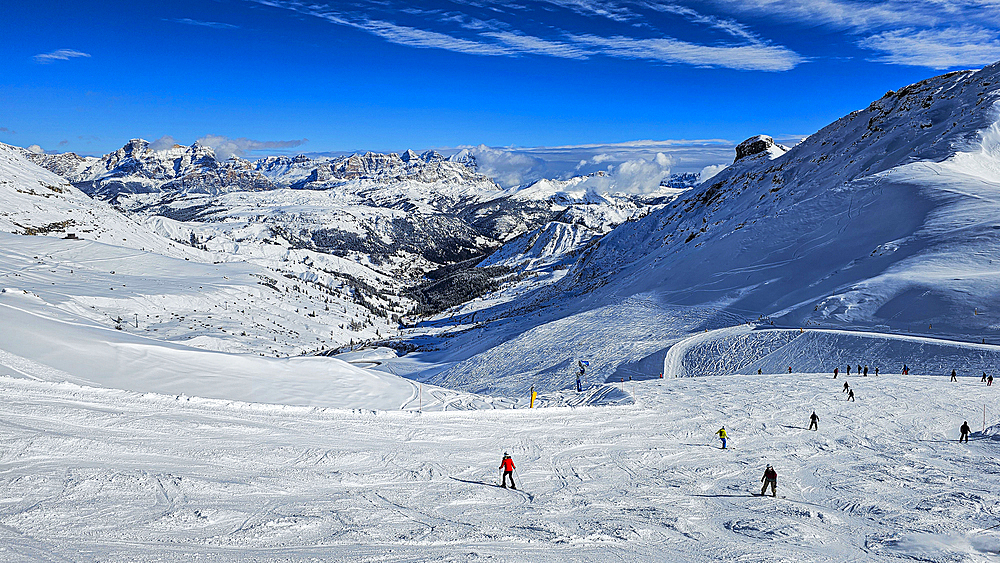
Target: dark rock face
[[753, 145]]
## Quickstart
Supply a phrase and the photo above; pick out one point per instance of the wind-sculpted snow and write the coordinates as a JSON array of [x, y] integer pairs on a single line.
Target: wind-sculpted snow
[[108, 475]]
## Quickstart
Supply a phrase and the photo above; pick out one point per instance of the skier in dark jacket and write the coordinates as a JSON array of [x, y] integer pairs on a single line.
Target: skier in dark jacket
[[984, 377], [866, 371], [848, 369], [876, 372], [989, 380], [965, 432], [850, 395], [835, 372], [814, 422], [770, 478], [507, 465], [846, 387], [953, 374]]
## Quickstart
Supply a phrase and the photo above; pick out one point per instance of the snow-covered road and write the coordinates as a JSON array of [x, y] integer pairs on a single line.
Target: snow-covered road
[[107, 475]]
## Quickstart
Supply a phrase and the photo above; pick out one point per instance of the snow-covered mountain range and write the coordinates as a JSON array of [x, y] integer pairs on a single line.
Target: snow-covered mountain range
[[403, 215]]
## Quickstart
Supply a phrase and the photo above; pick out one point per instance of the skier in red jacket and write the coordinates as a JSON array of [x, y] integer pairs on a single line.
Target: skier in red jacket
[[507, 465]]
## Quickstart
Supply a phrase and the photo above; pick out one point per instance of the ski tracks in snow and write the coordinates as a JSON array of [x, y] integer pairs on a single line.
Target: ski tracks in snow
[[121, 475]]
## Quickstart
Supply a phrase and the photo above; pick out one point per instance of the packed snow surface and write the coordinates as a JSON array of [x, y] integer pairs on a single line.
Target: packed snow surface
[[105, 475]]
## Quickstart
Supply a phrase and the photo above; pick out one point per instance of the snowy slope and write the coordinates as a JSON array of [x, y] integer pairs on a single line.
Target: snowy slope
[[36, 201], [885, 217], [104, 475]]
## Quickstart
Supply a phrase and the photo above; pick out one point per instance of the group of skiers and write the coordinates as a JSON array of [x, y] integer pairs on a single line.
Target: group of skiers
[[770, 477], [860, 371]]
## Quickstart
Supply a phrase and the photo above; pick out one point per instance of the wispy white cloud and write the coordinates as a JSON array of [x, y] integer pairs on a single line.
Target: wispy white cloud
[[538, 46], [938, 34], [936, 48], [667, 50], [413, 37], [226, 147], [200, 23], [462, 33], [845, 14], [610, 10], [635, 166], [58, 55], [711, 170], [163, 143], [726, 25]]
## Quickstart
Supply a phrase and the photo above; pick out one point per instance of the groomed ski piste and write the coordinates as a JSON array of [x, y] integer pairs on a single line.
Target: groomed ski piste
[[93, 474]]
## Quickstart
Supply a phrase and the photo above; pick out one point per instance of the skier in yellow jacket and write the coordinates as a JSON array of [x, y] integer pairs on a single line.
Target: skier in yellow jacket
[[722, 436]]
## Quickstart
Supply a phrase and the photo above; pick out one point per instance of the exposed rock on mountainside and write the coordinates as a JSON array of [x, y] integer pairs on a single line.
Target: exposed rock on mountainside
[[137, 168], [761, 144]]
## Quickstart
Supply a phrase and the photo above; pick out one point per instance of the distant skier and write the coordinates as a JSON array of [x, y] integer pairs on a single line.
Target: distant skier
[[876, 372], [848, 369], [850, 395], [984, 377], [770, 478], [759, 372], [507, 465], [859, 369], [866, 371], [989, 381], [789, 369], [906, 370], [721, 433], [835, 372], [954, 376], [965, 432], [814, 422], [846, 388]]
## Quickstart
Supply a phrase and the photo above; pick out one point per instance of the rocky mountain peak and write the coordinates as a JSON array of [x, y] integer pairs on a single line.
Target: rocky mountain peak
[[757, 145]]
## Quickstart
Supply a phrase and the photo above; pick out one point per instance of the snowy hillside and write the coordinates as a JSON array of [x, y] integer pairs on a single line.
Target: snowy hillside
[[886, 217], [314, 301]]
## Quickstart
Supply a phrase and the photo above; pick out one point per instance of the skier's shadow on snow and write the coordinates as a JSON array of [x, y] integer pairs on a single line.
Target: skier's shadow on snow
[[722, 496], [527, 495], [704, 446], [795, 427], [477, 482], [972, 438]]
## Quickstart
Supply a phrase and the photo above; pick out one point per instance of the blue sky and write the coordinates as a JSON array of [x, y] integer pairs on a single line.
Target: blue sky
[[269, 76]]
